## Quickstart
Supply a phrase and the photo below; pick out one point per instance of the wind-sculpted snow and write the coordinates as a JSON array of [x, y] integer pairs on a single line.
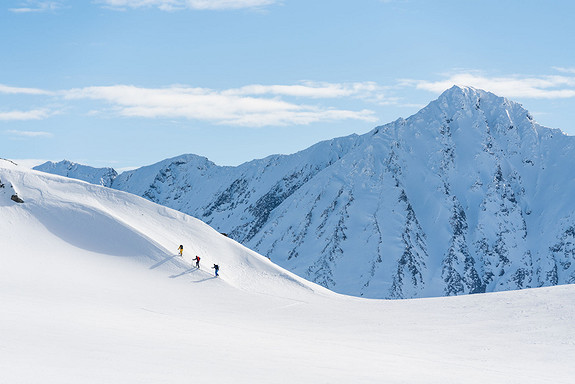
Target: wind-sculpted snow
[[468, 195], [78, 217]]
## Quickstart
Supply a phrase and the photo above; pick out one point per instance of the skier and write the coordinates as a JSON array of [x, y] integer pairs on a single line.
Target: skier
[[216, 269], [181, 249], [197, 261]]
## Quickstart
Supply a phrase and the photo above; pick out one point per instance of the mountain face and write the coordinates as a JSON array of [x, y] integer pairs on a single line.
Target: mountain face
[[469, 195], [99, 176]]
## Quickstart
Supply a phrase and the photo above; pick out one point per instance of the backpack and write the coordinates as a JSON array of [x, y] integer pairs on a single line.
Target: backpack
[[181, 247]]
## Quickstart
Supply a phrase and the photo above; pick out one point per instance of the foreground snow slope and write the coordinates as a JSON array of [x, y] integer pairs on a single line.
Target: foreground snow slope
[[91, 292]]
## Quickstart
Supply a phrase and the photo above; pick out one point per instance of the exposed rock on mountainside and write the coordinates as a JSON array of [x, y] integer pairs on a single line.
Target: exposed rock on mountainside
[[7, 191]]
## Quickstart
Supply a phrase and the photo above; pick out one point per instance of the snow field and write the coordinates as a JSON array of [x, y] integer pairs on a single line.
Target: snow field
[[91, 291]]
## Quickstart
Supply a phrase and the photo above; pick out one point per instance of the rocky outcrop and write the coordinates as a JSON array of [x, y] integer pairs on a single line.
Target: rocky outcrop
[[16, 199], [7, 190]]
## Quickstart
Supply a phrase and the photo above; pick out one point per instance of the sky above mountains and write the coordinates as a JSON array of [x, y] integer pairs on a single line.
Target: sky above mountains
[[125, 83]]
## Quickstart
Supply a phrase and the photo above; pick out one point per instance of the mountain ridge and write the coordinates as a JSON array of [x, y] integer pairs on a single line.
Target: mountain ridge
[[100, 176], [93, 290], [467, 195]]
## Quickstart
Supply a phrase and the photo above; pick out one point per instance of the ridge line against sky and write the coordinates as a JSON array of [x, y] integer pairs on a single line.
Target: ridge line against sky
[[269, 76]]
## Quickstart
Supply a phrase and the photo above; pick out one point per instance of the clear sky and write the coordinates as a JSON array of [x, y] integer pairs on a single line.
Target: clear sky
[[126, 83]]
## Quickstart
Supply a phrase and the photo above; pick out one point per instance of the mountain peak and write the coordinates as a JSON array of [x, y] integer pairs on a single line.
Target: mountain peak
[[101, 176], [463, 89], [468, 195], [457, 94], [460, 102]]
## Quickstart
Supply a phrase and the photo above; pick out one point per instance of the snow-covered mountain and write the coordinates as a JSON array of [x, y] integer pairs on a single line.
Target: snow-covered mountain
[[92, 291], [100, 176], [468, 195]]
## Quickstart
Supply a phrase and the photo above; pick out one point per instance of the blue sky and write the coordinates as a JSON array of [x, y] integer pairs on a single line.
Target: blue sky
[[126, 83]]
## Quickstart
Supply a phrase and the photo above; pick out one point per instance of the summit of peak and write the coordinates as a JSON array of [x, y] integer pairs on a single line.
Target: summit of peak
[[458, 91], [466, 97]]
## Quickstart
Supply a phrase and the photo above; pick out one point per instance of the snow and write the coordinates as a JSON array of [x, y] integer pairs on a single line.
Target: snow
[[91, 291], [100, 176], [468, 195]]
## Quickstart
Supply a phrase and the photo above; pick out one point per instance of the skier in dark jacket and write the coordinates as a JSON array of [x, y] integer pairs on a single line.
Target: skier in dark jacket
[[216, 269], [181, 249], [197, 261]]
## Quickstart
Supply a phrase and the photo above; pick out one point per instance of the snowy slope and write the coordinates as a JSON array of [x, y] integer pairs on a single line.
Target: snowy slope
[[91, 292], [103, 221], [468, 195]]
